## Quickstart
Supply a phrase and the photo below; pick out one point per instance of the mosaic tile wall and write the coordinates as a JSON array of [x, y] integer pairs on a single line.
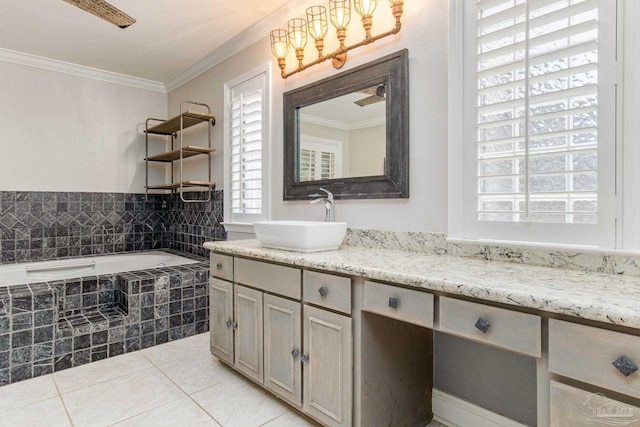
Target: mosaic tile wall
[[42, 330], [38, 226]]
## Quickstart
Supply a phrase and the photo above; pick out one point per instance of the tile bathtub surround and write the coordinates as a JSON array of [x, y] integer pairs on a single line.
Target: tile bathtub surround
[[608, 262], [45, 327], [37, 226]]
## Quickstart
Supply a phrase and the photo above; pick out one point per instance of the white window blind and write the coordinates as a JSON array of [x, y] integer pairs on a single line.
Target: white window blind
[[246, 137], [537, 111], [320, 159]]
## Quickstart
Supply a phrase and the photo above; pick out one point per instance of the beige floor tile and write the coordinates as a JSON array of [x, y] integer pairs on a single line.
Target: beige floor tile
[[290, 419], [23, 393], [115, 400], [238, 403], [196, 373], [97, 372], [46, 413], [195, 345], [183, 412]]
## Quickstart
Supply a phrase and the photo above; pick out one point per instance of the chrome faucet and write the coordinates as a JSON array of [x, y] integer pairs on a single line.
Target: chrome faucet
[[328, 204]]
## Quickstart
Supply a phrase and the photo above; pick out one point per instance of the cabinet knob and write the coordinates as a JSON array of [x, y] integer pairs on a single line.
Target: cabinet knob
[[625, 365], [323, 291], [219, 265], [234, 325], [229, 323], [393, 302], [483, 325], [304, 358], [295, 353]]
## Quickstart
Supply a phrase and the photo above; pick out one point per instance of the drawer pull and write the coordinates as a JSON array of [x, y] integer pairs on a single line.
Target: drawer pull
[[323, 291], [295, 353], [219, 265], [304, 358], [625, 365], [393, 303], [483, 325]]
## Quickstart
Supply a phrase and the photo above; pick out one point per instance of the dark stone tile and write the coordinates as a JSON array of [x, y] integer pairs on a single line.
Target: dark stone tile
[[22, 304], [43, 351], [63, 362], [147, 341], [5, 376], [81, 357], [201, 315], [63, 346], [73, 288], [22, 339], [100, 355], [42, 369], [4, 360], [201, 327], [89, 285], [20, 356], [162, 337], [116, 349], [132, 345], [21, 321], [81, 342], [175, 334], [43, 318], [132, 331], [21, 372], [117, 334], [99, 338], [5, 325], [43, 334]]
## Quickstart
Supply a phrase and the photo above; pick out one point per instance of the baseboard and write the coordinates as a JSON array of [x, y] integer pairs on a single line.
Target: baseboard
[[455, 412]]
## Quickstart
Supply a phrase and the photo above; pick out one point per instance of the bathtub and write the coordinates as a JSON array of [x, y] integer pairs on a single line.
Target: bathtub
[[45, 271]]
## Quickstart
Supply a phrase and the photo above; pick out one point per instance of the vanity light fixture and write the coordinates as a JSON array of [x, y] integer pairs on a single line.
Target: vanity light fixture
[[316, 26]]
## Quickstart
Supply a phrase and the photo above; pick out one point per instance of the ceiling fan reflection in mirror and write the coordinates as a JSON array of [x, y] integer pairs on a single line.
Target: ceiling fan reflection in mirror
[[104, 10]]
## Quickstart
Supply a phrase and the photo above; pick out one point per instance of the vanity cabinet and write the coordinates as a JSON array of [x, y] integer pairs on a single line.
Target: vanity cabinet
[[264, 328], [283, 348], [603, 359]]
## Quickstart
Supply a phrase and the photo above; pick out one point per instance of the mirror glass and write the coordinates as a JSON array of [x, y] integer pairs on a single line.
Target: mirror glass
[[349, 133], [343, 137]]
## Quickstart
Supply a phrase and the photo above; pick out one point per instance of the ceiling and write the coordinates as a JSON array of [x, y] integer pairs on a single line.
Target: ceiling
[[169, 37]]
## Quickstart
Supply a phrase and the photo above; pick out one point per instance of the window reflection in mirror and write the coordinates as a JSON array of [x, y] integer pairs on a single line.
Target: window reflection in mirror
[[343, 137]]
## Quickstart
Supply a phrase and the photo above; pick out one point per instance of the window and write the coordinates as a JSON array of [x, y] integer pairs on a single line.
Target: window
[[246, 136], [539, 111], [320, 159]]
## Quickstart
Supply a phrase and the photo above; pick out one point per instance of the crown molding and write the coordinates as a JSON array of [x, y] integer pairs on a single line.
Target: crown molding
[[336, 124], [79, 70], [247, 38]]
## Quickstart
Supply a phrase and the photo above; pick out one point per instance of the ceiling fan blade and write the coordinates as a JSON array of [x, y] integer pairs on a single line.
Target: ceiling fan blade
[[104, 10], [369, 100]]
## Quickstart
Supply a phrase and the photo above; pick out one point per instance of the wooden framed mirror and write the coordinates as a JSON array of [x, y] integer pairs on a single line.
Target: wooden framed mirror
[[349, 133]]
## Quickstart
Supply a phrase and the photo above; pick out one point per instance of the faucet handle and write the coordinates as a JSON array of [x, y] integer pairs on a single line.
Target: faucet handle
[[329, 194]]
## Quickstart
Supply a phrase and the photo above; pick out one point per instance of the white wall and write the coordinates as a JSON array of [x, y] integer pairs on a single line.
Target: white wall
[[61, 132], [367, 151], [424, 33]]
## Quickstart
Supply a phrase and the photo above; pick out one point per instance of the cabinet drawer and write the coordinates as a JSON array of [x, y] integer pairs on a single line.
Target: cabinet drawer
[[587, 354], [572, 406], [221, 266], [273, 278], [512, 330], [327, 290], [399, 303]]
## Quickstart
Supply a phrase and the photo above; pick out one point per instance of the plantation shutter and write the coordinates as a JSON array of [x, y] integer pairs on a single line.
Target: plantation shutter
[[246, 137], [537, 110]]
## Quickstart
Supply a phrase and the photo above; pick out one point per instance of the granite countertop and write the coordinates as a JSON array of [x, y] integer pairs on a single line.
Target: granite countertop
[[608, 298]]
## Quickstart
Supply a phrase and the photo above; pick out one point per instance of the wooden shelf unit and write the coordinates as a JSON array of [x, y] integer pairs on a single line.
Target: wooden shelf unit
[[173, 128]]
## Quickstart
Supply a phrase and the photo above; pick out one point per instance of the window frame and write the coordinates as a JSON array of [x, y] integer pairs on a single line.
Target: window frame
[[244, 222], [462, 207]]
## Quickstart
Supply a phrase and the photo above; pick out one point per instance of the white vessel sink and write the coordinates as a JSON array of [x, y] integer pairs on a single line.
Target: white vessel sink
[[300, 236]]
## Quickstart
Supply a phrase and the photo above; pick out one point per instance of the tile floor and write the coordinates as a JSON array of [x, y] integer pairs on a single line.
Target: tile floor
[[175, 384]]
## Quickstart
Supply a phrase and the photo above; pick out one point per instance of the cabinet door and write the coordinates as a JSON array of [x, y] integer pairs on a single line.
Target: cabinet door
[[248, 337], [327, 371], [282, 348], [221, 320]]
